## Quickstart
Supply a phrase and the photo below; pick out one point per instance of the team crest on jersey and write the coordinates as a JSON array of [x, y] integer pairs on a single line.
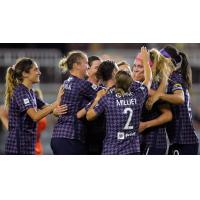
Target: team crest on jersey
[[26, 101], [142, 87], [94, 86], [69, 79]]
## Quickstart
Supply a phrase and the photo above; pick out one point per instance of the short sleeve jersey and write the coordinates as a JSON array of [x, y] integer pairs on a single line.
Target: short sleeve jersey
[[122, 120], [76, 92], [180, 130], [22, 129]]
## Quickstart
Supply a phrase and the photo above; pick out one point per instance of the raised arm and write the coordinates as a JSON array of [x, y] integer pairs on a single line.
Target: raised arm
[[91, 114], [147, 69]]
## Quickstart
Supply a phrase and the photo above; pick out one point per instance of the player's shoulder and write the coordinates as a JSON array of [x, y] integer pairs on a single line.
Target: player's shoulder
[[111, 91], [176, 76], [137, 85], [20, 88], [69, 79]]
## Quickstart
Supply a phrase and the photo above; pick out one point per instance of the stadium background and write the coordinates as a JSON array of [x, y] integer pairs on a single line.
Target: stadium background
[[47, 56]]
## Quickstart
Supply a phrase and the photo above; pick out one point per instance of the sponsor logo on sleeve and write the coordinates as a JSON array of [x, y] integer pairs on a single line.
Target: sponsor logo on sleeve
[[26, 101], [94, 87]]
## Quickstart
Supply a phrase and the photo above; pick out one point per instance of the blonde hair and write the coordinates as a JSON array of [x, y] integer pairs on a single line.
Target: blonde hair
[[66, 63], [162, 67], [11, 83]]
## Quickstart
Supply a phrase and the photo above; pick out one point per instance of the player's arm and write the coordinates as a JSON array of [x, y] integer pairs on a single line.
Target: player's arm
[[147, 69], [176, 98], [4, 116], [60, 110], [91, 113], [81, 113], [166, 116], [36, 115]]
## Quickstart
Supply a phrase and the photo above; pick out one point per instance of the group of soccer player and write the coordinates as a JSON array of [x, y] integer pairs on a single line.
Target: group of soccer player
[[105, 107]]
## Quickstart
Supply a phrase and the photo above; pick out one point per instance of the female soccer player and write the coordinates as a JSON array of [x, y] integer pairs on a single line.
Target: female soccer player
[[23, 105], [152, 127], [106, 75], [93, 65], [181, 133], [122, 106], [68, 135], [95, 129]]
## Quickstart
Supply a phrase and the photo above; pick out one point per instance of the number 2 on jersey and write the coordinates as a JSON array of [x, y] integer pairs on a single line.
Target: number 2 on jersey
[[130, 112]]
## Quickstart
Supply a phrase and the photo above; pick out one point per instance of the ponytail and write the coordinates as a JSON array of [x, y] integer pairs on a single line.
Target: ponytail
[[67, 63], [185, 70], [120, 91], [63, 64], [14, 75], [11, 83], [123, 82]]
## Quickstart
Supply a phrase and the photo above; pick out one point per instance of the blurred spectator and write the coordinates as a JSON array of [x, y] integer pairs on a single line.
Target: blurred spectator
[[41, 126]]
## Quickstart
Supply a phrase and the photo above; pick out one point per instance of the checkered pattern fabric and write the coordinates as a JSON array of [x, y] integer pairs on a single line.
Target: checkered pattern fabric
[[181, 130], [122, 120], [22, 129], [76, 92], [155, 136]]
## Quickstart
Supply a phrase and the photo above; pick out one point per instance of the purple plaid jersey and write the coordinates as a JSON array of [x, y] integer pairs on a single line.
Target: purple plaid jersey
[[77, 93], [22, 129], [122, 120], [180, 130], [155, 136]]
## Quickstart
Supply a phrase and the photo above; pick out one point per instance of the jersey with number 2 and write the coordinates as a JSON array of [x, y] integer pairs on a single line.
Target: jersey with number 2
[[122, 120]]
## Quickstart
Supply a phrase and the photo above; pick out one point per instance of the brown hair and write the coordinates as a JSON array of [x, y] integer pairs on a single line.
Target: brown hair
[[123, 82], [14, 76]]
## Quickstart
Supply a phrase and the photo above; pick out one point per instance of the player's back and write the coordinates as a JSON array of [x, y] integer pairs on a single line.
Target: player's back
[[122, 123]]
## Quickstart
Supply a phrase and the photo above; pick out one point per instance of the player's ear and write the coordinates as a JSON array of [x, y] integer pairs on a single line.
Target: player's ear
[[76, 66], [25, 75]]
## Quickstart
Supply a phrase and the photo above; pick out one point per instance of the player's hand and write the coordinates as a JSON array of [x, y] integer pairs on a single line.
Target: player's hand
[[100, 94], [145, 55], [60, 110], [60, 94], [142, 127], [152, 100], [138, 76]]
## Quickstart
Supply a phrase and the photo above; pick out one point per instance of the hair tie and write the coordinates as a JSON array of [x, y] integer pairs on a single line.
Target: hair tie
[[164, 53], [13, 67]]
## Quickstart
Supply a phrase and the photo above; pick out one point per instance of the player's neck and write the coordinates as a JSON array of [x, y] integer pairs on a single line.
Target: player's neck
[[109, 83], [77, 74], [28, 84], [92, 80]]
